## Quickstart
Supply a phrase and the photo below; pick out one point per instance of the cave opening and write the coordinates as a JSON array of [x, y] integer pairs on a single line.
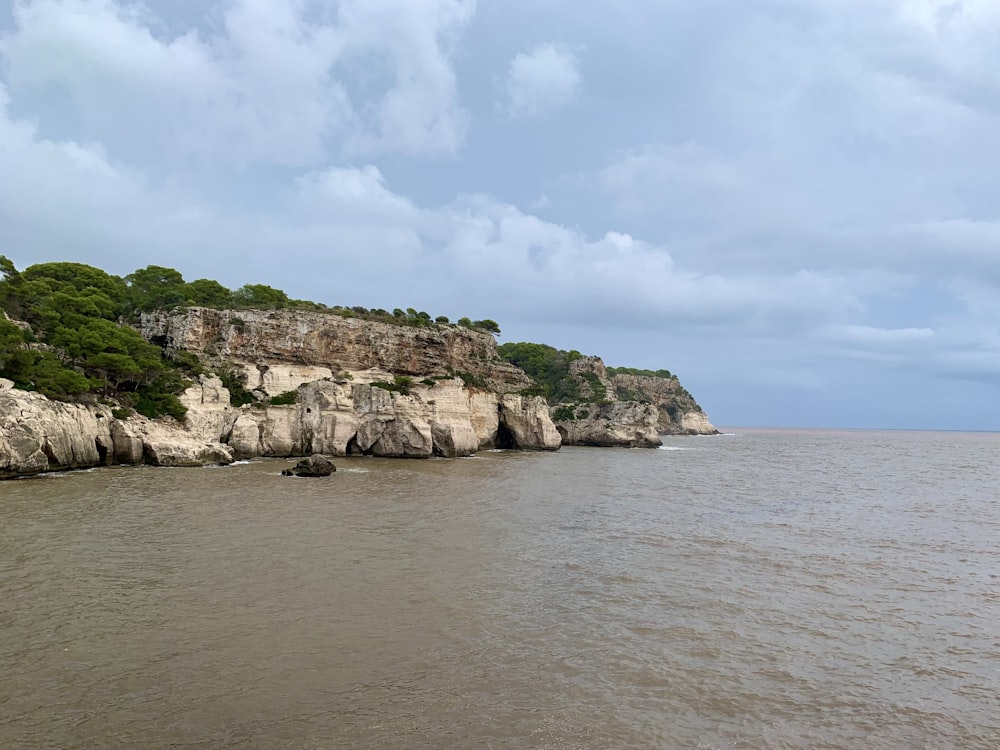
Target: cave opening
[[102, 451], [505, 439], [353, 449]]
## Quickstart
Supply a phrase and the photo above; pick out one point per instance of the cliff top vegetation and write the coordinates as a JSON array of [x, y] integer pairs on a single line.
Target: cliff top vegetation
[[62, 332], [65, 334]]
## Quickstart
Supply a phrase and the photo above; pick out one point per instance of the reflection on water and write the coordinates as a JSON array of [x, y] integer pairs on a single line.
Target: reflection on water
[[766, 590]]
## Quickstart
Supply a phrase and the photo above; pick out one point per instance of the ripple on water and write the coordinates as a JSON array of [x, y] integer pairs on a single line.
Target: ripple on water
[[806, 590]]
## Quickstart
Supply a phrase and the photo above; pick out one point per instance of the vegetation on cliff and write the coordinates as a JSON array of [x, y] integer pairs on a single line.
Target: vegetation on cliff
[[565, 387], [70, 344], [65, 333], [548, 367]]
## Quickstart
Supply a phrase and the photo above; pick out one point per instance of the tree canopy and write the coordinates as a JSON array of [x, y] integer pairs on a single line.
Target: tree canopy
[[548, 366]]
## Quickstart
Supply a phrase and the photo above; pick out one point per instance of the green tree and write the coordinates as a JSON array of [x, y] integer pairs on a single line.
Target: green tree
[[487, 325], [155, 288], [208, 293], [261, 296], [548, 366]]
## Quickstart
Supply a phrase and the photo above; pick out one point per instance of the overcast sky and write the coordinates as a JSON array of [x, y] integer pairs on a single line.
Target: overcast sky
[[793, 204]]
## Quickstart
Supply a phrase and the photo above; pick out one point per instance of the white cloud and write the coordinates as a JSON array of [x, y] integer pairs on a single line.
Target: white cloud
[[655, 177], [269, 87], [812, 191], [542, 80]]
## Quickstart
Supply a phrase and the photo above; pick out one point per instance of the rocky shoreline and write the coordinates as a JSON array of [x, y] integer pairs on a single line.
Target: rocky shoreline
[[347, 387]]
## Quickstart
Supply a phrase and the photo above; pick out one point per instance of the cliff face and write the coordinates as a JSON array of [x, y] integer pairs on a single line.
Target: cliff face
[[324, 344], [445, 419], [361, 388], [38, 435], [333, 364], [627, 410]]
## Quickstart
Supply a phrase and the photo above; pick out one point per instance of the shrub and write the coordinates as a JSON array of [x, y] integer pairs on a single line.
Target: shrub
[[285, 399], [564, 414], [235, 382]]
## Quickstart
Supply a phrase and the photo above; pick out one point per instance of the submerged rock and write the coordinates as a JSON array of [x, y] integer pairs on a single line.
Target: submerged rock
[[317, 465]]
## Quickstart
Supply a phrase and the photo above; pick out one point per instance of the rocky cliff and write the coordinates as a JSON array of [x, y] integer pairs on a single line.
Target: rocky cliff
[[360, 387], [39, 435], [443, 419], [313, 345], [626, 410], [346, 387]]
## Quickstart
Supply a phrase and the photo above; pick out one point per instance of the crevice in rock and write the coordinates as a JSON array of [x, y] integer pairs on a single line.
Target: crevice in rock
[[505, 439], [353, 449], [102, 451], [50, 453]]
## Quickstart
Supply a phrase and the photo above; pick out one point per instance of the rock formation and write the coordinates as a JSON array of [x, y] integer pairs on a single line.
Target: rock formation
[[317, 465], [38, 435], [626, 410], [347, 387], [312, 345]]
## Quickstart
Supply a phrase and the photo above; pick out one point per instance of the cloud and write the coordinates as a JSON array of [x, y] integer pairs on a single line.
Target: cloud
[[542, 80], [800, 191], [267, 86]]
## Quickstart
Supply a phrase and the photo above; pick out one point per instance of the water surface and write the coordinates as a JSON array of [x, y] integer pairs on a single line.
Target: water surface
[[766, 590]]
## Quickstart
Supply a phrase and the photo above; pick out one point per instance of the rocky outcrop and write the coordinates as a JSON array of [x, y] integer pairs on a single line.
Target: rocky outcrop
[[696, 423], [39, 435], [626, 424], [525, 424], [678, 412], [324, 344], [444, 418], [315, 466], [626, 410]]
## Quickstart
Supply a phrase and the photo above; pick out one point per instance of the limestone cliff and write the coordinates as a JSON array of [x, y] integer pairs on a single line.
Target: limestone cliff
[[313, 345], [39, 435], [444, 419], [347, 386], [626, 410], [441, 419], [360, 387]]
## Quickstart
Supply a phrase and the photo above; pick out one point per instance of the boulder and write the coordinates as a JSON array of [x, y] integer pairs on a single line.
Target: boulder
[[317, 465]]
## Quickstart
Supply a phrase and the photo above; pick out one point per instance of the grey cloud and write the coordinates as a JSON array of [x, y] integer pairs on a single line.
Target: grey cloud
[[267, 86]]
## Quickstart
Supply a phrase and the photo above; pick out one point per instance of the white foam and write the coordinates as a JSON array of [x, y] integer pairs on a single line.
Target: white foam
[[673, 448]]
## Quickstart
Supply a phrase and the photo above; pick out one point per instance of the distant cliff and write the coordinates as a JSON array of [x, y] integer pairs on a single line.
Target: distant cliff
[[626, 409]]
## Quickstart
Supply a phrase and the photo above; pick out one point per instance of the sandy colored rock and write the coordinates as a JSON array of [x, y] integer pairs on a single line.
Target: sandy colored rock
[[525, 424], [331, 342], [622, 424], [38, 435]]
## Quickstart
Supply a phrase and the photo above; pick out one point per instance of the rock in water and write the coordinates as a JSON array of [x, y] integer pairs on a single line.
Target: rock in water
[[316, 465]]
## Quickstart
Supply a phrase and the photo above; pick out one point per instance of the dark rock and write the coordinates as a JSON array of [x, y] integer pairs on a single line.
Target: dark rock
[[316, 465]]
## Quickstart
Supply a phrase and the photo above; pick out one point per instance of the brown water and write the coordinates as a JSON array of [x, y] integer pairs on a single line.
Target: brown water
[[768, 590]]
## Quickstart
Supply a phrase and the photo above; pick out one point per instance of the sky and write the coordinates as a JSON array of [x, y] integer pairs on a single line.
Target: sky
[[791, 204]]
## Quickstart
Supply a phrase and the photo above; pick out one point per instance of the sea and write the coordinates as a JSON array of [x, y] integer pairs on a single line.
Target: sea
[[764, 589]]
